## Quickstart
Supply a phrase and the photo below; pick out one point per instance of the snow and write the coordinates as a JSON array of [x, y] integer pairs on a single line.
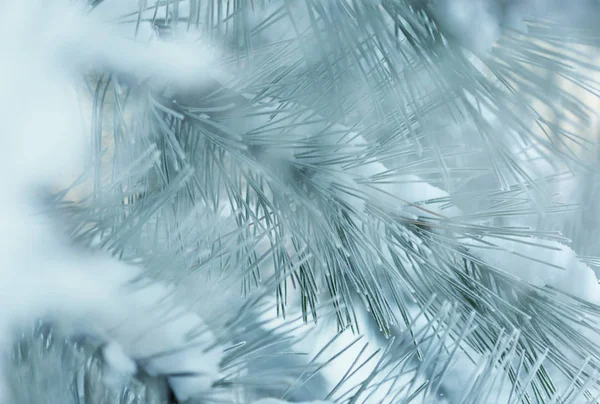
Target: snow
[[473, 21], [89, 295], [479, 23], [118, 367], [546, 263], [318, 337], [203, 366], [43, 146]]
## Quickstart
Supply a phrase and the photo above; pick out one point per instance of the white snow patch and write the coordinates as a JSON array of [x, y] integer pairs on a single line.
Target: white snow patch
[[474, 22], [118, 367], [479, 23], [547, 263], [320, 336], [43, 145], [189, 357]]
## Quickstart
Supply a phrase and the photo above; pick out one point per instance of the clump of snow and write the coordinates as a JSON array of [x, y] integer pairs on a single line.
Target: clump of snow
[[474, 22], [189, 356], [479, 23], [542, 263], [342, 352], [43, 144], [90, 294], [118, 367]]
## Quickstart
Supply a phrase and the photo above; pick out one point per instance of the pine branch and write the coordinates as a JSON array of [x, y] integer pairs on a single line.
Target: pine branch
[[277, 175]]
